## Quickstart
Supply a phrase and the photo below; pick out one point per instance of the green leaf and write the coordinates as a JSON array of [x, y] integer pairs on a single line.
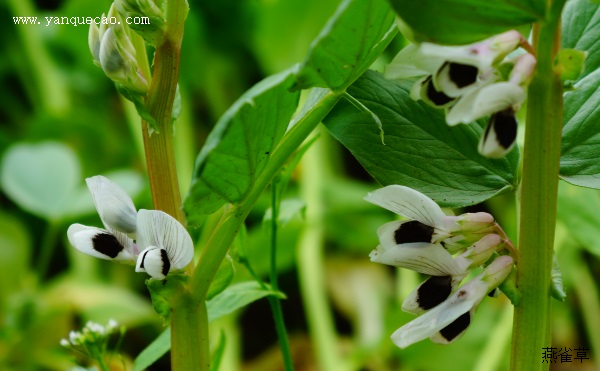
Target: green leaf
[[159, 347], [581, 133], [217, 355], [464, 21], [557, 289], [222, 278], [162, 293], [348, 44], [578, 211], [238, 148], [421, 151], [40, 177], [236, 297], [287, 210], [569, 64]]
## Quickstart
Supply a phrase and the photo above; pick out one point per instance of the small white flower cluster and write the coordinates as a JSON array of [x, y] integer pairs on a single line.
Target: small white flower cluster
[[163, 244], [426, 244], [470, 82], [92, 340]]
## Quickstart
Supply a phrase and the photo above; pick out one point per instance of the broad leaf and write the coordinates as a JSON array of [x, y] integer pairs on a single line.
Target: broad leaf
[[420, 150], [239, 146], [237, 296], [159, 347], [465, 21], [578, 211], [41, 177], [579, 163], [350, 42]]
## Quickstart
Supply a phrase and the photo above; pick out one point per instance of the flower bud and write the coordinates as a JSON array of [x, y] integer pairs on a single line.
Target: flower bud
[[523, 69], [151, 31], [480, 252]]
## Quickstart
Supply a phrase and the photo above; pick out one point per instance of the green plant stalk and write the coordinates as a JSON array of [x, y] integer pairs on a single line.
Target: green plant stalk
[[188, 333], [539, 189], [234, 216], [225, 232], [310, 261], [47, 248], [274, 301]]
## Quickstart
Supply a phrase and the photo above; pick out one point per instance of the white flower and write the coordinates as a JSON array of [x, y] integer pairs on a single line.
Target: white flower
[[447, 321], [165, 242], [454, 70], [427, 225], [436, 289], [119, 217]]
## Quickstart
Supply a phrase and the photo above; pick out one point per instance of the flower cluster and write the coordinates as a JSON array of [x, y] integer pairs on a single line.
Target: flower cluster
[[114, 52], [92, 340], [163, 244], [447, 248], [470, 82]]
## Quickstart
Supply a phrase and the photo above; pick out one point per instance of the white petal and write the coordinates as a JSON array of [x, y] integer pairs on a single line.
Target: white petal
[[156, 228], [386, 233], [424, 89], [428, 324], [154, 261], [456, 79], [427, 258], [100, 243], [500, 135], [115, 207], [409, 203], [485, 101], [430, 293], [409, 62], [455, 330]]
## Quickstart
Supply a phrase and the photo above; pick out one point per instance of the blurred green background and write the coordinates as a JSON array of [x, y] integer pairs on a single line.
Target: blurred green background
[[61, 121]]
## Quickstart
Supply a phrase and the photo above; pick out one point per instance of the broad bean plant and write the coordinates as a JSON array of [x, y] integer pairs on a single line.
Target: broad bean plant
[[447, 105]]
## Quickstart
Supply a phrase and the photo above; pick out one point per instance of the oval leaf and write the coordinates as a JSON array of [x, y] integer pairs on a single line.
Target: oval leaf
[[41, 177], [348, 44], [457, 22], [239, 146], [420, 150], [579, 163]]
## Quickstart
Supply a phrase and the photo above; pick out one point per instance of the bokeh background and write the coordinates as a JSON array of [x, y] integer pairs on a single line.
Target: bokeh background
[[61, 120]]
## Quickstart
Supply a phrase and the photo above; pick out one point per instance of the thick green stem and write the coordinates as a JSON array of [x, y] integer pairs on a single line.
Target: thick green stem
[[539, 188], [234, 216], [189, 321]]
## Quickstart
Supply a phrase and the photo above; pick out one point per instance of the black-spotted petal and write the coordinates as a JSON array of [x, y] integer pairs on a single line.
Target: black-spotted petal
[[409, 203], [101, 243], [114, 205], [157, 229], [424, 89], [500, 134], [429, 294], [154, 261], [449, 319], [484, 101], [426, 258]]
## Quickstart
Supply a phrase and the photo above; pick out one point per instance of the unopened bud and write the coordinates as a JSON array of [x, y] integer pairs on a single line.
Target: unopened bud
[[523, 69], [480, 252], [495, 273], [152, 30]]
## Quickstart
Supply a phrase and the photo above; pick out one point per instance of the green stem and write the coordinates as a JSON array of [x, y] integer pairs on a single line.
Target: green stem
[[234, 216], [274, 302], [189, 329], [310, 261], [539, 188]]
